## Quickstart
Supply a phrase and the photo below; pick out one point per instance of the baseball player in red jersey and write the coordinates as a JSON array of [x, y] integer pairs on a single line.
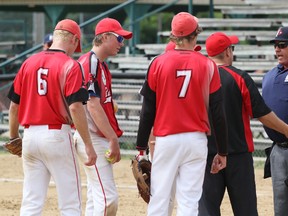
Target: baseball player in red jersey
[[46, 98], [102, 196], [179, 88]]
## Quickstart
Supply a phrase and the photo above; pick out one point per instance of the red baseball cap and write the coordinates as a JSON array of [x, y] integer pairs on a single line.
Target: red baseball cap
[[72, 27], [112, 25], [197, 48], [171, 45], [183, 24], [217, 42]]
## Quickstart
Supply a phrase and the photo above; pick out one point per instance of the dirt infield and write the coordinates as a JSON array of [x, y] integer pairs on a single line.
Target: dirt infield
[[130, 204]]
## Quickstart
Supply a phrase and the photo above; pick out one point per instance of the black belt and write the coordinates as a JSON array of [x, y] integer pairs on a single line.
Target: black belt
[[283, 144]]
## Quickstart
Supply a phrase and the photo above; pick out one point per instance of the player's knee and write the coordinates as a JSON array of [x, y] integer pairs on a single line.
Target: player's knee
[[113, 200], [112, 206]]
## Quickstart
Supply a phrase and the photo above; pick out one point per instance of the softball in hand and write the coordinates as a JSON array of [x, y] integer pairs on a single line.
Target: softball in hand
[[107, 156]]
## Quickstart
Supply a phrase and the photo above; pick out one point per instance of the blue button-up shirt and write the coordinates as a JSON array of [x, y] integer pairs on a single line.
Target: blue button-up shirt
[[275, 94]]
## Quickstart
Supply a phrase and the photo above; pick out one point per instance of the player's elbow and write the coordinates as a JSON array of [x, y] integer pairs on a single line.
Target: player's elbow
[[74, 107]]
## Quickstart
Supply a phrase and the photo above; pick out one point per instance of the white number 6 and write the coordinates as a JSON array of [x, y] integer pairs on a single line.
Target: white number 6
[[42, 83]]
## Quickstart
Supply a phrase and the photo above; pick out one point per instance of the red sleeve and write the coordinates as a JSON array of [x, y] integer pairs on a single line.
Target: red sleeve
[[74, 79]]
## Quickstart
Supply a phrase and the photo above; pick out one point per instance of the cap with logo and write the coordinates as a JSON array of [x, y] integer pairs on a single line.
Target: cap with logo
[[72, 27], [217, 42], [183, 24], [281, 35], [112, 25]]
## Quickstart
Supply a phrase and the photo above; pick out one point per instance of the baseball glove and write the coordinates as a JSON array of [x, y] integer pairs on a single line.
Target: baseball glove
[[14, 146], [142, 173]]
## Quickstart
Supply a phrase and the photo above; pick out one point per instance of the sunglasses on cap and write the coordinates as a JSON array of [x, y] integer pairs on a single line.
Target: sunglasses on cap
[[120, 38], [281, 45]]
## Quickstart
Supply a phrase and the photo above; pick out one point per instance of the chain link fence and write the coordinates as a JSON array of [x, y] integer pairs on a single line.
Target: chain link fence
[[126, 94]]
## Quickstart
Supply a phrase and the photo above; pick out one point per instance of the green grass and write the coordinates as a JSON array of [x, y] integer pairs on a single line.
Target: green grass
[[3, 139], [259, 164]]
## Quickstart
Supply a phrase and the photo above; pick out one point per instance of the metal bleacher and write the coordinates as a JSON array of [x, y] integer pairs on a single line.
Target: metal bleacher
[[253, 53]]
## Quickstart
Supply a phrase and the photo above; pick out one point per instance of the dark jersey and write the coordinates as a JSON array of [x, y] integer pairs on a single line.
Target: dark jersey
[[242, 101]]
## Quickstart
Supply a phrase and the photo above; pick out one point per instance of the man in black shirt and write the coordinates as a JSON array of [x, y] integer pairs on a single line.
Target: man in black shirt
[[242, 101]]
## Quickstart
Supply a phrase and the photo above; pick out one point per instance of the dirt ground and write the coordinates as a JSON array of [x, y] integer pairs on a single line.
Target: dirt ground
[[130, 204]]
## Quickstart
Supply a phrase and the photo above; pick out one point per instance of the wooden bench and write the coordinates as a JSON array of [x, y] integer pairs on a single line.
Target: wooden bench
[[129, 110], [129, 63], [129, 125], [254, 9], [5, 128], [10, 44], [127, 90], [257, 77], [240, 22], [266, 2], [4, 116], [240, 51], [255, 66], [247, 35]]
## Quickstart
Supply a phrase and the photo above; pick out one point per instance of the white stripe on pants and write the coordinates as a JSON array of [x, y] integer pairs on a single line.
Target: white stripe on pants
[[102, 193], [50, 152]]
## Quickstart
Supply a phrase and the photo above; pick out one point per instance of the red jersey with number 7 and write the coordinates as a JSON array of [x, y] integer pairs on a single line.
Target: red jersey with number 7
[[46, 84], [182, 81]]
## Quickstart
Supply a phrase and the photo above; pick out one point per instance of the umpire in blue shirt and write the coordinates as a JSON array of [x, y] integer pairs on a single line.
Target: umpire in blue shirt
[[275, 94]]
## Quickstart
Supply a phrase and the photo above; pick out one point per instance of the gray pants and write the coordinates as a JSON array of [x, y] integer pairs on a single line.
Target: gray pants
[[279, 172]]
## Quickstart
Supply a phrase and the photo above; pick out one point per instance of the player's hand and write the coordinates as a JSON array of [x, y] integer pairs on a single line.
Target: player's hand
[[142, 155], [114, 151], [92, 156], [219, 163]]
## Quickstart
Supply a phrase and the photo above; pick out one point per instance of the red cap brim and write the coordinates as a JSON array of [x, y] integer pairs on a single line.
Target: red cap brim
[[78, 49], [234, 39], [197, 48], [124, 33]]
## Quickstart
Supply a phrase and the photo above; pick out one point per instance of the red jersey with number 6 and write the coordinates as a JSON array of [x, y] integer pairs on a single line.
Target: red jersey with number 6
[[53, 81], [182, 81]]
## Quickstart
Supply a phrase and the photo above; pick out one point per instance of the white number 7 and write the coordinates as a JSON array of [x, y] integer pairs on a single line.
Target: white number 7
[[187, 74]]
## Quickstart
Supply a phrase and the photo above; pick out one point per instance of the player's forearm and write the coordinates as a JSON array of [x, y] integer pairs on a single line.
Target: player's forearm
[[13, 120], [272, 121], [80, 121], [101, 120], [147, 117]]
